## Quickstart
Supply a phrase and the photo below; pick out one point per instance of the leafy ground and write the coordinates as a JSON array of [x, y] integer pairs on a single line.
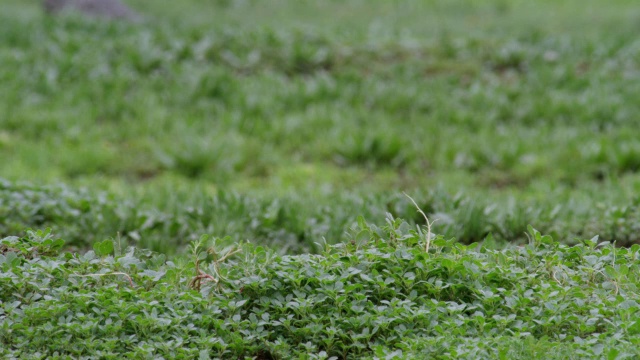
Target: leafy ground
[[495, 107], [387, 294], [280, 123]]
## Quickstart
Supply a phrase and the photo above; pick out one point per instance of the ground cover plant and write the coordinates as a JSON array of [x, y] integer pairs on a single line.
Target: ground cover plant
[[281, 105], [392, 292], [167, 221], [289, 131], [537, 106]]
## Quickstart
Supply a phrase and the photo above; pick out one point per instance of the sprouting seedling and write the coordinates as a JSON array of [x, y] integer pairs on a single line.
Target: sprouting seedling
[[200, 275], [429, 223], [218, 258]]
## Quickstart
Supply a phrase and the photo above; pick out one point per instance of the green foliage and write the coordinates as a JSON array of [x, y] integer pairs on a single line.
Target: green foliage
[[287, 123], [379, 295], [228, 100], [103, 248], [169, 219], [37, 243], [521, 118]]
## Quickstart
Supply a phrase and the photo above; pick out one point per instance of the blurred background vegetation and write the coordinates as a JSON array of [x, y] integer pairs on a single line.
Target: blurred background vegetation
[[281, 121]]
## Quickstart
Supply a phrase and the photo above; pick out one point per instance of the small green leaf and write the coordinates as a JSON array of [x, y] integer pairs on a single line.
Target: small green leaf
[[610, 271], [103, 248], [613, 354]]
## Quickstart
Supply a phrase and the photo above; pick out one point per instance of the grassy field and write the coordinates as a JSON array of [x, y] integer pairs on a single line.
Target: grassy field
[[281, 123]]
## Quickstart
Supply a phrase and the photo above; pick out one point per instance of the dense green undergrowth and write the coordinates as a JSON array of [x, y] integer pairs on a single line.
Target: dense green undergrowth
[[168, 220], [280, 123], [391, 292], [241, 104], [491, 114]]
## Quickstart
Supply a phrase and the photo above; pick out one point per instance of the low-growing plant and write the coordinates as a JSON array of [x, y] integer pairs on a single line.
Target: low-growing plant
[[167, 220], [383, 294]]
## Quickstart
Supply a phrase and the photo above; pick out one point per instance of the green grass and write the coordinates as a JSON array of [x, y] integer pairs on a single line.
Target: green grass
[[281, 123]]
